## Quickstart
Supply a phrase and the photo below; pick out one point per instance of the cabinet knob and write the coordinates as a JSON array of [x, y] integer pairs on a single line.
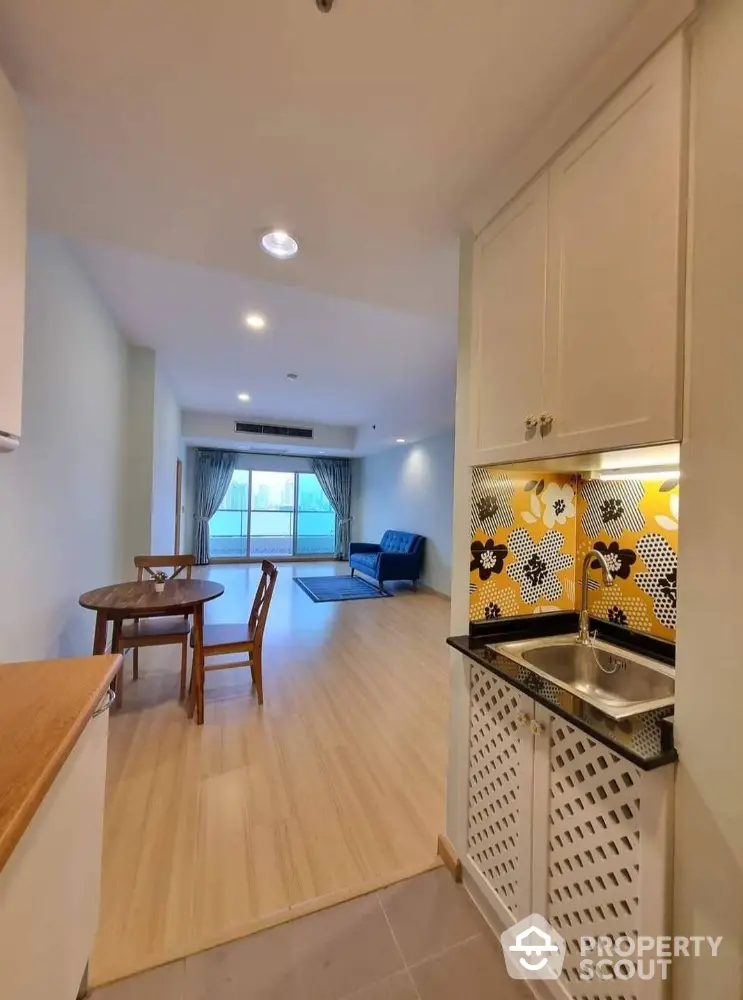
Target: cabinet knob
[[523, 719], [545, 421], [530, 423], [536, 727]]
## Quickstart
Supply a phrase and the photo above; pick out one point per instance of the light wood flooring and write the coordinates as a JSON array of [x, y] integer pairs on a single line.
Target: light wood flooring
[[334, 788]]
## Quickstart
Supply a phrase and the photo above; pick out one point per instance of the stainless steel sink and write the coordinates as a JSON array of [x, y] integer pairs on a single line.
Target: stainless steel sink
[[615, 681]]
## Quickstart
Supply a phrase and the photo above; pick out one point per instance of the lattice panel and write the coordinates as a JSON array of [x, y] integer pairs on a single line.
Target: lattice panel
[[496, 782], [594, 840]]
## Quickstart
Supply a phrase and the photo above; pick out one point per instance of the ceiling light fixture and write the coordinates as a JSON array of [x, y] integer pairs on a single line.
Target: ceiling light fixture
[[255, 321], [278, 243], [401, 440], [292, 377], [243, 397]]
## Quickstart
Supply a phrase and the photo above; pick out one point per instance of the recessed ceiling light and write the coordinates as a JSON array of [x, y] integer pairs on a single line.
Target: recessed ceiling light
[[401, 440], [292, 377], [278, 243], [255, 321], [243, 397]]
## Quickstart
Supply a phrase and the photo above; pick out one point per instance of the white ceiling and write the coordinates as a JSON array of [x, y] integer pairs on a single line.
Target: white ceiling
[[357, 364], [166, 134]]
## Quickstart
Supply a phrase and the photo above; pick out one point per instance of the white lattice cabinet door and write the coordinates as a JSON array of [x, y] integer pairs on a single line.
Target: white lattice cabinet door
[[500, 784], [601, 854]]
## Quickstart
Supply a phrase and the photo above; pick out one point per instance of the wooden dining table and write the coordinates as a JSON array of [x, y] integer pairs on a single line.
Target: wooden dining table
[[122, 601]]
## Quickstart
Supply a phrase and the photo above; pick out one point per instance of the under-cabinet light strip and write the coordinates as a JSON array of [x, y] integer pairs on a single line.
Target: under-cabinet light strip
[[611, 475]]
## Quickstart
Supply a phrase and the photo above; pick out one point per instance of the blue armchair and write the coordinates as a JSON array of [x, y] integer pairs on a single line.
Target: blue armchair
[[399, 556]]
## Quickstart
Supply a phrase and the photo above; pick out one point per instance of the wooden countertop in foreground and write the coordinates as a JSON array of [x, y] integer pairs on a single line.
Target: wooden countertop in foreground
[[44, 707]]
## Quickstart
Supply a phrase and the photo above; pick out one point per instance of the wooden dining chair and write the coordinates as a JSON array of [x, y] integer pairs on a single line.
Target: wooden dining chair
[[157, 630], [225, 640]]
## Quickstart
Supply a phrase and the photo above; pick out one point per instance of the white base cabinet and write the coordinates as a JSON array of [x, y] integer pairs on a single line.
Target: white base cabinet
[[560, 825], [50, 885]]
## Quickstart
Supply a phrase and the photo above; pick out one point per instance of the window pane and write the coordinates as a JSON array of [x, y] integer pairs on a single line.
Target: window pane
[[271, 533], [315, 518], [310, 494], [236, 497], [228, 528], [227, 534], [315, 533], [273, 491]]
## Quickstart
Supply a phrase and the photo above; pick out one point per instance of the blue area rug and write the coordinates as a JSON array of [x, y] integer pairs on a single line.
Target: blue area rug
[[337, 588]]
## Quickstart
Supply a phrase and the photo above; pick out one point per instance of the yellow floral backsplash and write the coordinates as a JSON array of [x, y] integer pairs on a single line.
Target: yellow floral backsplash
[[531, 530]]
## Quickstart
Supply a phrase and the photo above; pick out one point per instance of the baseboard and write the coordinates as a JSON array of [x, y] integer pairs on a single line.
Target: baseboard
[[420, 588], [257, 560], [449, 856]]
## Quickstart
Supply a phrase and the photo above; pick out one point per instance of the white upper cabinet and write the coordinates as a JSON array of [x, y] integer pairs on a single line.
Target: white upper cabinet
[[12, 263], [614, 360], [509, 308], [589, 338]]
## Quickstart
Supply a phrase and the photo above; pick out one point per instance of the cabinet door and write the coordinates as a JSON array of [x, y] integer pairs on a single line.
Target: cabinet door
[[500, 793], [50, 886], [588, 844], [12, 259], [507, 352], [614, 359]]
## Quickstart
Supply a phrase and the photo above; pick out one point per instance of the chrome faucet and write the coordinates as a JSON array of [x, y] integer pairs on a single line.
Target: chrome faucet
[[584, 633]]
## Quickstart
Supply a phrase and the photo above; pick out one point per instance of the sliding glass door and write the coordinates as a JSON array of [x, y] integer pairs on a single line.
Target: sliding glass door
[[272, 514]]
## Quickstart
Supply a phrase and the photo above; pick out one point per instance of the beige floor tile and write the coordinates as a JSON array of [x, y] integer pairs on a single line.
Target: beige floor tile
[[474, 969], [429, 913], [165, 983], [325, 956], [259, 966], [397, 987], [345, 948]]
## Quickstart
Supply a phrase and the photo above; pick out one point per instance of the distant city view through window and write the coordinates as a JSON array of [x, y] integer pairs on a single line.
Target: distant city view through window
[[272, 514]]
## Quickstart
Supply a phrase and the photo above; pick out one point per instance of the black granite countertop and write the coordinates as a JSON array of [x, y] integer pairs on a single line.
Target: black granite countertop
[[645, 739]]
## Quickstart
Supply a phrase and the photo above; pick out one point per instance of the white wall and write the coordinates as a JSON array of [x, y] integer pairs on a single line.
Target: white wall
[[166, 449], [410, 488], [459, 711], [709, 687], [153, 446], [61, 492], [140, 419]]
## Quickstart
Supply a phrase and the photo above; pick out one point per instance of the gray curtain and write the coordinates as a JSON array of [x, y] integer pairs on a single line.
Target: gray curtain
[[213, 476], [334, 475]]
